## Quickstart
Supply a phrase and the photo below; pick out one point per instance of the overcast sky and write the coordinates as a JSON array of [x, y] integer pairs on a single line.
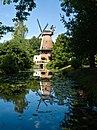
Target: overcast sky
[[47, 11]]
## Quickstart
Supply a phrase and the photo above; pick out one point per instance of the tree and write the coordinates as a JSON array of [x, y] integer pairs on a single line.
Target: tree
[[4, 29], [23, 8], [81, 26], [16, 54], [35, 42], [20, 30], [60, 52]]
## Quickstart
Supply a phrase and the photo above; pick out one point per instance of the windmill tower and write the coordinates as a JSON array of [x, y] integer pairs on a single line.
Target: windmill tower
[[46, 46], [46, 42]]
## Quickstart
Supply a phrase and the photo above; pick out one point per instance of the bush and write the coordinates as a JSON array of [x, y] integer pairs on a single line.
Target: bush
[[9, 64], [15, 57], [75, 63]]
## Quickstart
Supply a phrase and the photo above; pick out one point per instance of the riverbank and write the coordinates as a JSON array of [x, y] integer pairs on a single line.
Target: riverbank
[[86, 79]]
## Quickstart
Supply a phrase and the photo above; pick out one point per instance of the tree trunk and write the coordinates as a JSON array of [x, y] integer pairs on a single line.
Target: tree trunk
[[92, 61]]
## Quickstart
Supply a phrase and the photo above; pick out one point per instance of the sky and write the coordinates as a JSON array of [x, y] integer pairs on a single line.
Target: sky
[[46, 11]]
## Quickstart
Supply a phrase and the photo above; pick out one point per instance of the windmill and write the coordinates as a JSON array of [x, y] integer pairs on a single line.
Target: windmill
[[44, 52], [46, 42]]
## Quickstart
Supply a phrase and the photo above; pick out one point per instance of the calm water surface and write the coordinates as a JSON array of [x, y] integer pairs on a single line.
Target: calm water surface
[[37, 104]]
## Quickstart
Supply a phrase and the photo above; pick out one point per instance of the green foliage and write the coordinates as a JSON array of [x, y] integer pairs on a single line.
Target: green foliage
[[23, 8], [81, 26], [75, 63], [9, 64], [35, 43], [17, 57], [20, 30], [17, 54], [60, 52], [96, 59], [4, 29]]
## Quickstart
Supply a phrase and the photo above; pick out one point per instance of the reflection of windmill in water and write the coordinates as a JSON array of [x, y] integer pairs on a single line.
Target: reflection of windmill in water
[[46, 94], [45, 48]]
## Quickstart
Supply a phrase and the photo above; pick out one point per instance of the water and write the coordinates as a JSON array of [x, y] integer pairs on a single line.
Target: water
[[36, 103]]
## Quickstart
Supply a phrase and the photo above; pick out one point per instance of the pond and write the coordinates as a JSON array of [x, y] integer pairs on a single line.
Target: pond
[[44, 101]]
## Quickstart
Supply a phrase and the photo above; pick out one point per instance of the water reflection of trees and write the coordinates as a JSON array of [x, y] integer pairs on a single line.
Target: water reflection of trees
[[15, 95], [82, 114], [14, 89], [50, 88], [63, 88]]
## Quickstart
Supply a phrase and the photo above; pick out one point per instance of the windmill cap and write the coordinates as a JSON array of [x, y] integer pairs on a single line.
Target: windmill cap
[[47, 32]]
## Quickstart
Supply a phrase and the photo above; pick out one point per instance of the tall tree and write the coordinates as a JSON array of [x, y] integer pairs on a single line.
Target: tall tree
[[20, 30], [81, 26], [60, 52], [16, 54]]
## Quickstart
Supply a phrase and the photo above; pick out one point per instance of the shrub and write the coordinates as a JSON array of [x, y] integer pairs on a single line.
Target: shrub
[[9, 64], [75, 63]]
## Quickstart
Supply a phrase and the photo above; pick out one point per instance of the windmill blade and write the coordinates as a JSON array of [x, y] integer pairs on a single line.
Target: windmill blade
[[43, 30], [45, 27], [39, 35], [39, 25]]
